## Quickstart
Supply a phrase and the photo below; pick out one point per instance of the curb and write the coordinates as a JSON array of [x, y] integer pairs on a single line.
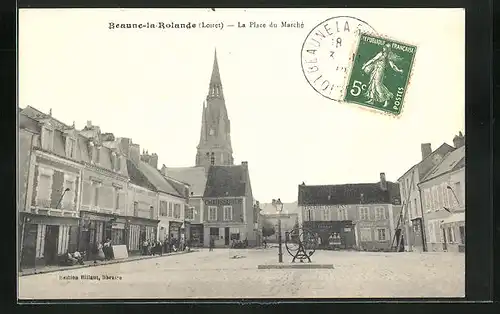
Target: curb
[[119, 261], [297, 266]]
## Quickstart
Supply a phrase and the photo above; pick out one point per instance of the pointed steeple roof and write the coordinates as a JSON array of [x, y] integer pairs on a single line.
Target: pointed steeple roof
[[215, 71]]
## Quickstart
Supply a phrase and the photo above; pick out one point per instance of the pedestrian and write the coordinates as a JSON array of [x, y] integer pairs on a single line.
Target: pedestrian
[[265, 243], [211, 244], [319, 241]]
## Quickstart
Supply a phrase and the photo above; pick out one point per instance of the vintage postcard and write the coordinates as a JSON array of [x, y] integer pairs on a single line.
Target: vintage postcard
[[241, 153]]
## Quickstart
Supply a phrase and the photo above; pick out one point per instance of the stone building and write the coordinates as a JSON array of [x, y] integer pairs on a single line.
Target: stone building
[[222, 209], [363, 214], [50, 177], [411, 222], [443, 196]]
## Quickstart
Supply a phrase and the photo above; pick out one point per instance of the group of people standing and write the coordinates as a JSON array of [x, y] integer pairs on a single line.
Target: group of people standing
[[171, 244], [104, 251]]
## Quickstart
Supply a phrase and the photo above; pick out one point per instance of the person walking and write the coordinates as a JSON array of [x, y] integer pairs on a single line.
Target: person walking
[[211, 244]]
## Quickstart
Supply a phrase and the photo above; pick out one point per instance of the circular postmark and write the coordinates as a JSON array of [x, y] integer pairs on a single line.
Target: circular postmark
[[327, 53]]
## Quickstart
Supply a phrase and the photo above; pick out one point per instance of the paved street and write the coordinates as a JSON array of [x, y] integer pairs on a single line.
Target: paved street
[[215, 274]]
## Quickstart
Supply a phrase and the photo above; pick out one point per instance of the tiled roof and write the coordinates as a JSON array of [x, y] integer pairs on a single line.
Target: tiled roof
[[155, 178], [194, 176], [288, 208], [224, 181], [452, 161], [180, 187], [137, 177], [441, 148], [360, 193]]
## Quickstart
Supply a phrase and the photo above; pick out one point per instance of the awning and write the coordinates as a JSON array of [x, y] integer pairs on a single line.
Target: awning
[[458, 217]]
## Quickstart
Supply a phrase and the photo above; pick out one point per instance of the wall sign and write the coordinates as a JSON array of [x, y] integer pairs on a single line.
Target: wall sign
[[226, 201]]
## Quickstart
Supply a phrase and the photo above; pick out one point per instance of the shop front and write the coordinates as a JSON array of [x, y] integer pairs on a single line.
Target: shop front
[[341, 231], [138, 230], [96, 228], [45, 238], [196, 235], [175, 230]]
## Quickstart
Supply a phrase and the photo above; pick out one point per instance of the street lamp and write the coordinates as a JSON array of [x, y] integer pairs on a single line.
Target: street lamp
[[278, 205]]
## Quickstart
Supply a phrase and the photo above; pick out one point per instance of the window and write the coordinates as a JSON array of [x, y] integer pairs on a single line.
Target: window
[[326, 214], [70, 147], [381, 234], [151, 212], [44, 190], [458, 193], [118, 163], [189, 212], [435, 198], [415, 213], [96, 194], [214, 231], [365, 234], [177, 211], [163, 208], [380, 213], [309, 213], [136, 209], [212, 213], [69, 196], [461, 229], [427, 195], [117, 198], [342, 214], [228, 212], [451, 235], [408, 187], [364, 213], [97, 155], [47, 139]]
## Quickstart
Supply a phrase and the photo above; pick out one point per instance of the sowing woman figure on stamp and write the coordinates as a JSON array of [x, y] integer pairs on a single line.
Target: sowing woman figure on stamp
[[375, 67]]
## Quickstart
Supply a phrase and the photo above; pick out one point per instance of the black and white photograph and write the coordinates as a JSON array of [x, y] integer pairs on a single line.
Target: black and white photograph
[[215, 153]]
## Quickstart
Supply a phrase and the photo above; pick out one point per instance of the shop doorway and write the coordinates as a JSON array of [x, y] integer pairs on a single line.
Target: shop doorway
[[445, 245], [51, 239], [226, 236], [29, 245]]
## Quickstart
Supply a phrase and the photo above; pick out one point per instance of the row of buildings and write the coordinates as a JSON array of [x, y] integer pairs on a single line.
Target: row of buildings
[[423, 211], [80, 187]]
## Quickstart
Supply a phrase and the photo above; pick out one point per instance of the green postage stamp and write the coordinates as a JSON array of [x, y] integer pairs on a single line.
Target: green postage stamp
[[380, 73]]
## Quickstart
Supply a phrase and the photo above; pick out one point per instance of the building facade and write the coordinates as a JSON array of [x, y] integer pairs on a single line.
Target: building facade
[[411, 221], [443, 195], [363, 214], [51, 177]]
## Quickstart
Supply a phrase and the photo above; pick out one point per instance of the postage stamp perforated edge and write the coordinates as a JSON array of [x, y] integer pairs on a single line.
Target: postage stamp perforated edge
[[408, 83]]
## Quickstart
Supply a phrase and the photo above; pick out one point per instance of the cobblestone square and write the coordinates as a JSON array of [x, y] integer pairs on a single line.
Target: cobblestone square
[[217, 274]]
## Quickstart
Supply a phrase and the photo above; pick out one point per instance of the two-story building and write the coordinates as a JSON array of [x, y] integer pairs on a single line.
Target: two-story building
[[443, 195], [51, 178], [172, 199], [411, 222], [362, 214], [104, 190], [196, 178], [228, 206]]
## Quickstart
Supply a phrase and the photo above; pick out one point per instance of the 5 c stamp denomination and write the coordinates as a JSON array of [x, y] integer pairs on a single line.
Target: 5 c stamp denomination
[[380, 73], [327, 54]]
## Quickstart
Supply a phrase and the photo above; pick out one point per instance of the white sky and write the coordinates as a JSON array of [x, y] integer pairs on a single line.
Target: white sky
[[149, 85]]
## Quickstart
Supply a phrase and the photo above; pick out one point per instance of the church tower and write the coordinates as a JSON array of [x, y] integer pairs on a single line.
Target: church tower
[[215, 139]]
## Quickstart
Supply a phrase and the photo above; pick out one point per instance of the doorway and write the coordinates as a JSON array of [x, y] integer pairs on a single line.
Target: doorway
[[29, 245], [51, 239], [226, 236], [445, 246]]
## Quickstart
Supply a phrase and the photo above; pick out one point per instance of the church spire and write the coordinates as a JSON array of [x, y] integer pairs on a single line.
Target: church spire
[[215, 87]]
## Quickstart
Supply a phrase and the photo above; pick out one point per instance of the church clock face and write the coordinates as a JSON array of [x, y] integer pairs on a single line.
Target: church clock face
[[327, 54]]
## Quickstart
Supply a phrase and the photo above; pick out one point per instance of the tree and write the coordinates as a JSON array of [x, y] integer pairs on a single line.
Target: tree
[[267, 229]]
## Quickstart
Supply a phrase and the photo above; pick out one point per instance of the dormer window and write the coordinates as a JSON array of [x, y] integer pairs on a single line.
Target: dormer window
[[97, 154], [47, 138], [70, 147]]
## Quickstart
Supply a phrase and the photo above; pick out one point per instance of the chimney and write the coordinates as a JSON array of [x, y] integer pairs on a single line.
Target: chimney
[[426, 150], [163, 170], [153, 160], [89, 124], [124, 145], [244, 163], [383, 182], [135, 153], [459, 140]]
